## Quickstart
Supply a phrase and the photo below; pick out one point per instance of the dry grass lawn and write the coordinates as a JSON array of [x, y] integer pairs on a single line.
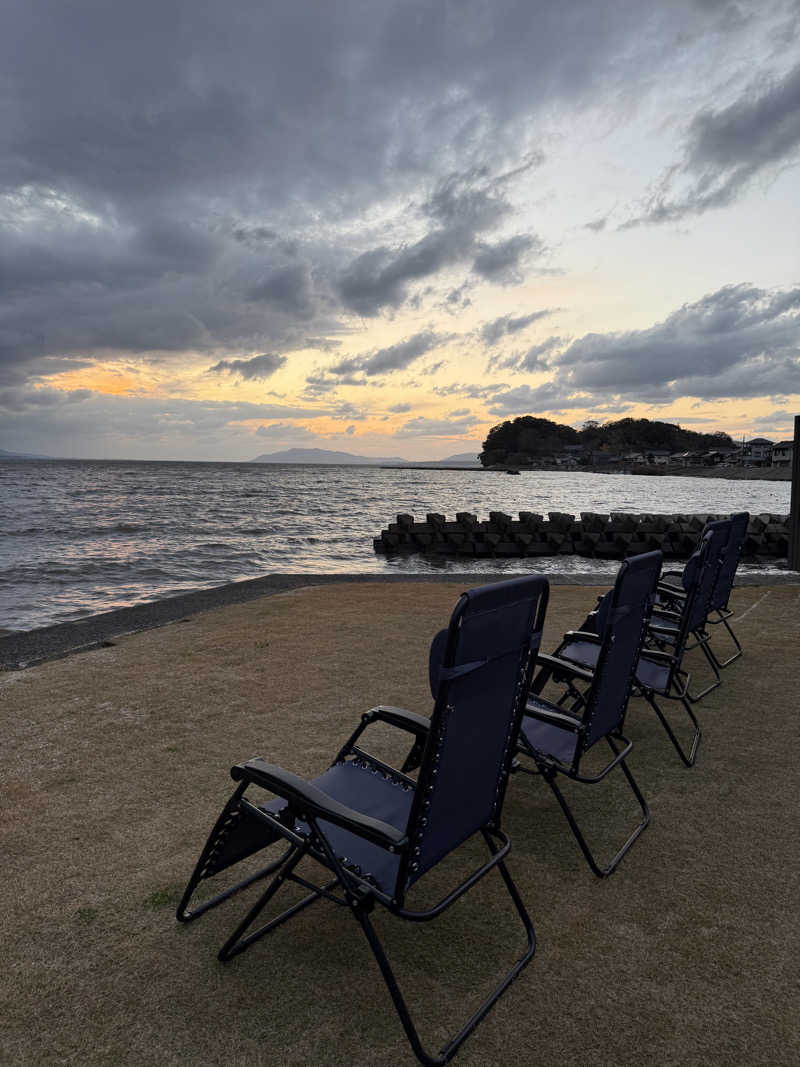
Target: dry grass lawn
[[114, 766]]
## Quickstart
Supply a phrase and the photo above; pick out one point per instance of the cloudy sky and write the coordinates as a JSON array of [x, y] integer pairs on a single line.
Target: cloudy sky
[[384, 226]]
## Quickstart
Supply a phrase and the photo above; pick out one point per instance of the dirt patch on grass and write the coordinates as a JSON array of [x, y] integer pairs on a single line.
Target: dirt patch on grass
[[115, 765]]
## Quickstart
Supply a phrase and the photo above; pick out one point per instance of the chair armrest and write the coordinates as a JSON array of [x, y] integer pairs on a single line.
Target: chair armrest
[[582, 635], [306, 798], [399, 717], [659, 656], [673, 590], [671, 574], [557, 718], [556, 665]]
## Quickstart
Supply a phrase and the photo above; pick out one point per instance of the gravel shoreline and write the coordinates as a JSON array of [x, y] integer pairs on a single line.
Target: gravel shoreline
[[20, 649]]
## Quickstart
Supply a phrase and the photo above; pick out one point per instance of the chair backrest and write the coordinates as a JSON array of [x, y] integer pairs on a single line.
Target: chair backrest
[[730, 561], [481, 684], [622, 624], [716, 534]]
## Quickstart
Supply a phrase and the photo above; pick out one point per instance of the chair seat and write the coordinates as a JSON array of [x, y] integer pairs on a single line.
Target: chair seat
[[370, 792], [548, 738], [649, 672], [652, 674], [667, 629], [584, 653]]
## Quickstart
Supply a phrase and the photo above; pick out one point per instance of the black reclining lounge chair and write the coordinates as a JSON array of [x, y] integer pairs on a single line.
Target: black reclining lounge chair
[[688, 615], [673, 592], [658, 671], [557, 736], [378, 831]]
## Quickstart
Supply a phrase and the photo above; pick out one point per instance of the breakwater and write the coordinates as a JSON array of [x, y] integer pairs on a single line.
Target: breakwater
[[595, 536]]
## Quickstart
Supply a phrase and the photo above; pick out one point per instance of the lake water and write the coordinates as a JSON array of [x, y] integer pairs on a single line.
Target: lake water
[[80, 537]]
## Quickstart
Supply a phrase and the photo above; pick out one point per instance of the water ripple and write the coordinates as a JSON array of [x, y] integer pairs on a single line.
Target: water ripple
[[79, 537]]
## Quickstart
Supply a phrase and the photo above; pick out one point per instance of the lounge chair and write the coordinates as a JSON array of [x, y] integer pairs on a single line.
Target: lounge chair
[[378, 831], [658, 671], [692, 615], [557, 736], [673, 592]]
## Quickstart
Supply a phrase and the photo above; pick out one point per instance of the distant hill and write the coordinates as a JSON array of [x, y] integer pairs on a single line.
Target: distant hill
[[524, 439], [20, 455], [324, 455]]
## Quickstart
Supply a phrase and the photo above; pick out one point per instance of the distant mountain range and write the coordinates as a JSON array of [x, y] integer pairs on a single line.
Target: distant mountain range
[[324, 455], [20, 455]]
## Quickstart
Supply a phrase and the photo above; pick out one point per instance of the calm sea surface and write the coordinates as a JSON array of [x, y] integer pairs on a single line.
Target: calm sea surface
[[80, 537]]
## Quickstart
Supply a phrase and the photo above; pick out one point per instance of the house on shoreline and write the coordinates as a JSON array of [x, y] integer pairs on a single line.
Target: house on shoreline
[[782, 454]]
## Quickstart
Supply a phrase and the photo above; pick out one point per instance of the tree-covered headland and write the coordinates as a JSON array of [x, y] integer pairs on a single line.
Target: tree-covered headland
[[530, 440]]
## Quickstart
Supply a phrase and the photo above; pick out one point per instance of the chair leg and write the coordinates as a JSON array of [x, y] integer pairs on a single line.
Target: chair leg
[[219, 831], [694, 698], [549, 774], [689, 760], [361, 910], [237, 943], [726, 662]]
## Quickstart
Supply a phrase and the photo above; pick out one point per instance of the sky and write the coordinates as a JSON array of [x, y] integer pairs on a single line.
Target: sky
[[385, 226]]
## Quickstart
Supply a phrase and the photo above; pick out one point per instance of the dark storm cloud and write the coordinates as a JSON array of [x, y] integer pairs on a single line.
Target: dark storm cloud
[[755, 136], [527, 400], [259, 367], [175, 178], [738, 341], [288, 288], [500, 262], [492, 332], [392, 358], [20, 400], [462, 207], [537, 358]]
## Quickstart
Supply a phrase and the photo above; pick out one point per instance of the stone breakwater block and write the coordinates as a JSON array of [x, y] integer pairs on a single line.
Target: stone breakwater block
[[539, 548], [612, 536], [560, 520], [623, 521], [500, 519], [636, 548], [593, 522], [608, 550]]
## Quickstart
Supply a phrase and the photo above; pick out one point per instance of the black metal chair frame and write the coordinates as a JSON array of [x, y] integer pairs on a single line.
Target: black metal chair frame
[[351, 887], [723, 587], [676, 686], [577, 716], [707, 590]]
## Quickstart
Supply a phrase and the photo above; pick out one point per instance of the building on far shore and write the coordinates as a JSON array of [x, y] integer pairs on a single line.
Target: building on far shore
[[758, 452], [782, 454]]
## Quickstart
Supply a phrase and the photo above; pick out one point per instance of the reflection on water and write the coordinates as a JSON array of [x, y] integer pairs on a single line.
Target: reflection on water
[[79, 537]]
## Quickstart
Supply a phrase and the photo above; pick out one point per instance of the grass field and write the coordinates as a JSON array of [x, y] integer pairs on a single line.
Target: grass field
[[115, 764]]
